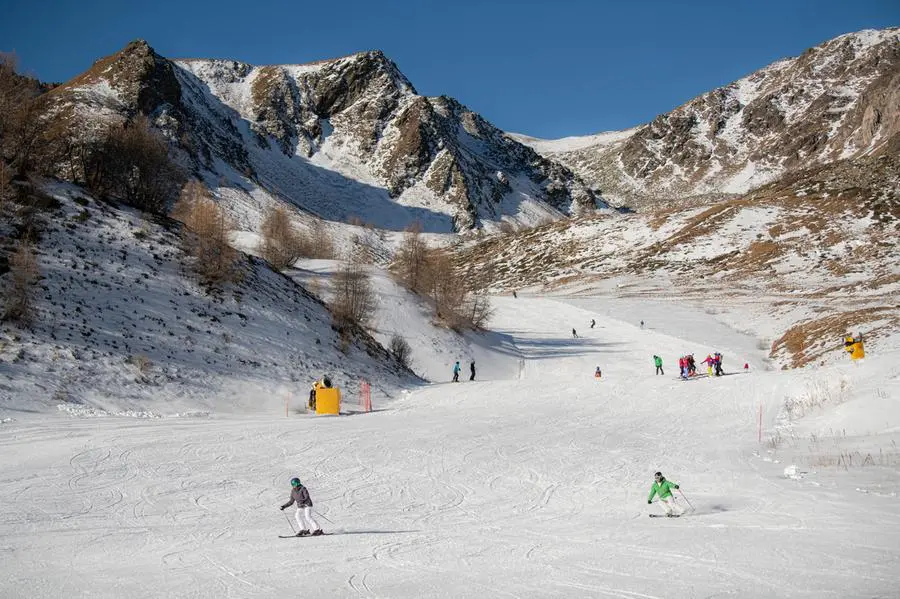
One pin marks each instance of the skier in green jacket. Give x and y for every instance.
(663, 488)
(658, 362)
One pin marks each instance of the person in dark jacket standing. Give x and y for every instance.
(300, 496)
(472, 370)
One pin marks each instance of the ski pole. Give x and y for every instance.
(289, 522)
(325, 518)
(686, 499)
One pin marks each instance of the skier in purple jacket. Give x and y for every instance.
(300, 496)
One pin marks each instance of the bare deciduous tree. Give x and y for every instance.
(281, 244)
(21, 123)
(459, 302)
(319, 243)
(205, 234)
(477, 310)
(142, 172)
(353, 299)
(411, 257)
(5, 180)
(445, 287)
(18, 305)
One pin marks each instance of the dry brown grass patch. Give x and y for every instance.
(810, 340)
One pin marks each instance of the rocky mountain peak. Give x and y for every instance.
(346, 138)
(140, 77)
(838, 100)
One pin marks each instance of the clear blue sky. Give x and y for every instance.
(545, 68)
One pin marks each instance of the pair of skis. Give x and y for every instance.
(675, 515)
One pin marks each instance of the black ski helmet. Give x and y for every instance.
(657, 475)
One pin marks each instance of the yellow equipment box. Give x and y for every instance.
(328, 400)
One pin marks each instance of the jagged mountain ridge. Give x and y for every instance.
(838, 100)
(340, 138)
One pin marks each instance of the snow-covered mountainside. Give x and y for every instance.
(818, 248)
(122, 326)
(838, 100)
(345, 139)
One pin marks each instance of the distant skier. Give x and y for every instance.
(717, 364)
(300, 496)
(514, 294)
(593, 322)
(472, 370)
(663, 489)
(746, 367)
(642, 324)
(659, 367)
(456, 372)
(597, 373)
(574, 334)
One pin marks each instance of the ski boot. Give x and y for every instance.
(303, 533)
(318, 533)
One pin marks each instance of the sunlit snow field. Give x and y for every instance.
(531, 481)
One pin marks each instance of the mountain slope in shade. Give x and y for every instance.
(339, 138)
(838, 100)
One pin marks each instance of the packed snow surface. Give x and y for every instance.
(531, 481)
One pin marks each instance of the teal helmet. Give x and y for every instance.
(295, 482)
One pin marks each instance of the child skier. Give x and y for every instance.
(658, 362)
(663, 489)
(709, 364)
(300, 495)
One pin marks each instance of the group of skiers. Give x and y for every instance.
(687, 366)
(456, 369)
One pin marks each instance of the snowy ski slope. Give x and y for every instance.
(530, 482)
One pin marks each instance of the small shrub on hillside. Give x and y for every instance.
(205, 235)
(23, 276)
(142, 363)
(142, 172)
(401, 351)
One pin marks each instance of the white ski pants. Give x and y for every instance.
(669, 505)
(304, 515)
